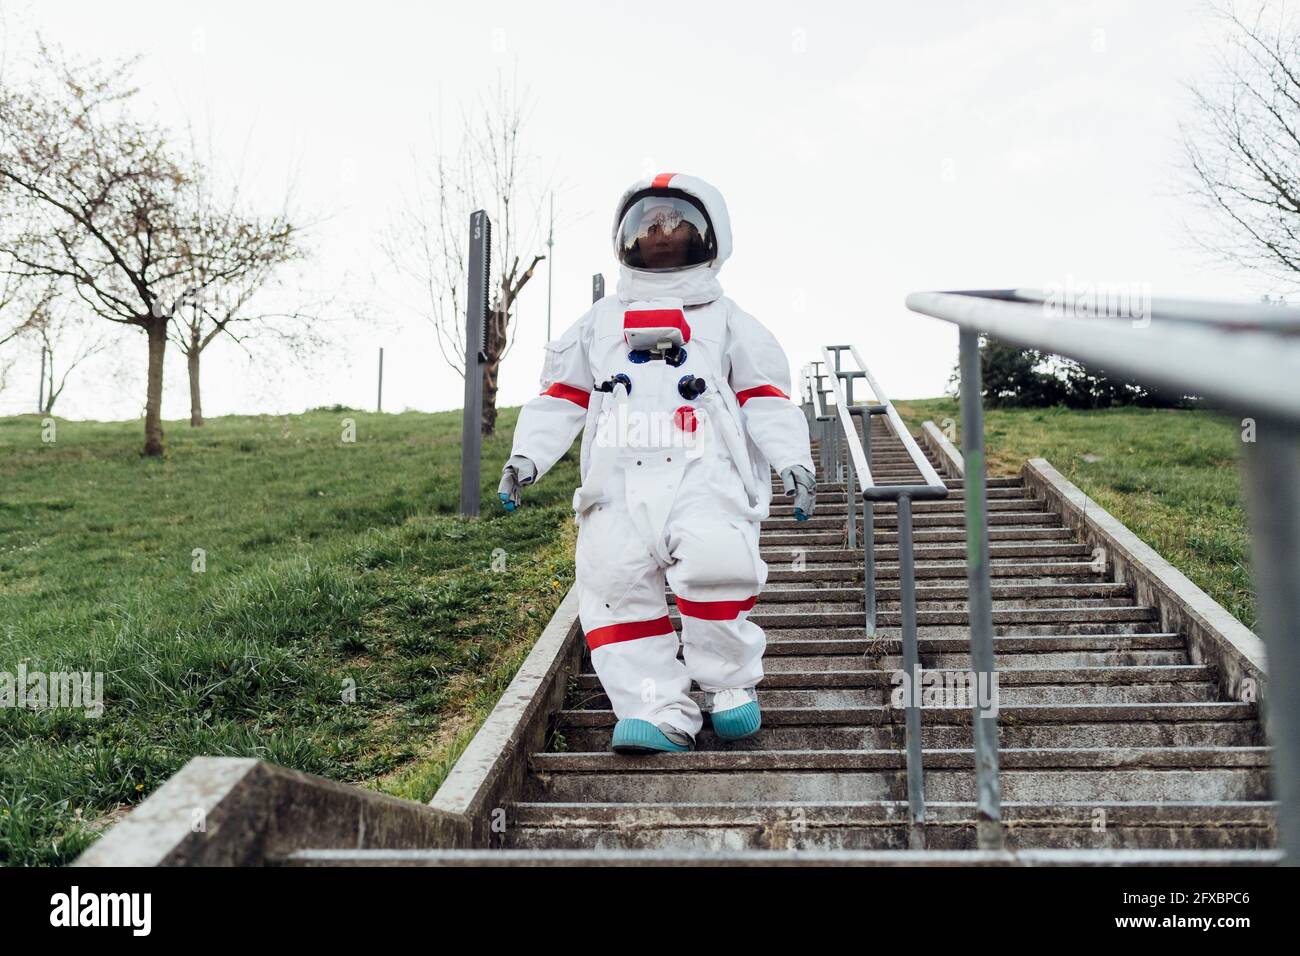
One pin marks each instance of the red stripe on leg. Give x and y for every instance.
(760, 391)
(614, 633)
(715, 610)
(569, 393)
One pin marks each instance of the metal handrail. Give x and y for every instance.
(1230, 362)
(856, 461)
(932, 485)
(1244, 357)
(1254, 316)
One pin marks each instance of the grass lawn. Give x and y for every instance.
(327, 565)
(1171, 475)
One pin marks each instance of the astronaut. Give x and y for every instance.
(683, 403)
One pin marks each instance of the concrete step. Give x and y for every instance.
(778, 664)
(1013, 534)
(780, 644)
(1091, 590)
(884, 522)
(837, 506)
(931, 612)
(1048, 776)
(962, 633)
(922, 552)
(1009, 678)
(1038, 615)
(995, 482)
(875, 825)
(878, 659)
(1008, 716)
(1021, 571)
(783, 858)
(835, 502)
(855, 691)
(583, 738)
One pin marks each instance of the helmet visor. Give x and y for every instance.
(664, 232)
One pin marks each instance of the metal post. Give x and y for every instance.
(550, 266)
(1273, 497)
(868, 541)
(980, 598)
(476, 308)
(379, 402)
(825, 450)
(852, 509)
(822, 427)
(911, 666)
(842, 451)
(597, 287)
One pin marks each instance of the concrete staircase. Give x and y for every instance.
(1119, 745)
(1110, 736)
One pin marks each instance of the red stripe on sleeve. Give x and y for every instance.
(614, 633)
(715, 610)
(575, 395)
(760, 391)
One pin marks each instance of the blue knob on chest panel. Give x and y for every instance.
(690, 388)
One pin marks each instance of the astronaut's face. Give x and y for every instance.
(665, 239)
(664, 233)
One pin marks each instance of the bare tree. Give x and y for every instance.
(489, 169)
(104, 193)
(14, 320)
(13, 323)
(60, 329)
(113, 213)
(232, 256)
(1243, 148)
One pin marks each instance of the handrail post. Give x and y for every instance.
(868, 540)
(851, 508)
(980, 599)
(911, 667)
(1273, 499)
(824, 452)
(857, 447)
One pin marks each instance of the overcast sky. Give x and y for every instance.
(866, 150)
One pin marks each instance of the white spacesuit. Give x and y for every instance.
(683, 403)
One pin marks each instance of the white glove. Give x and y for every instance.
(519, 472)
(802, 487)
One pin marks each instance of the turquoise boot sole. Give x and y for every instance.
(737, 723)
(642, 737)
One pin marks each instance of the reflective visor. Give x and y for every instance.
(665, 230)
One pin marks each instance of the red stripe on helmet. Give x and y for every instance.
(661, 181)
(615, 633)
(760, 391)
(715, 610)
(568, 392)
(657, 319)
